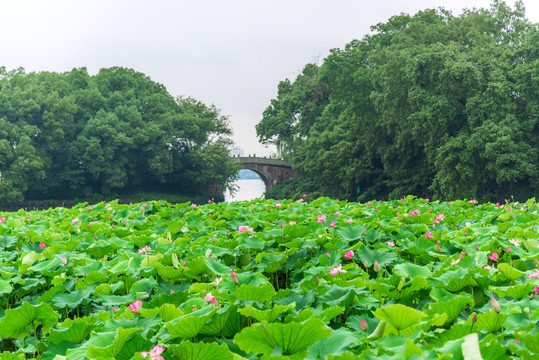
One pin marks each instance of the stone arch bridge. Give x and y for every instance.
(271, 171)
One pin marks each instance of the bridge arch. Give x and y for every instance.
(271, 171)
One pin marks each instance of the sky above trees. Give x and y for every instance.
(228, 53)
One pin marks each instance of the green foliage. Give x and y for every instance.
(72, 135)
(433, 104)
(298, 292)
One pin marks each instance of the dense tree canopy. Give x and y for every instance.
(69, 135)
(432, 105)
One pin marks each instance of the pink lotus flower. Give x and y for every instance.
(212, 299)
(2, 219)
(428, 235)
(64, 260)
(292, 223)
(535, 275)
(89, 208)
(304, 195)
(349, 221)
(332, 225)
(414, 213)
(145, 250)
(218, 280)
(390, 243)
(514, 242)
(134, 306)
(496, 306)
(234, 277)
(337, 270)
(171, 291)
(349, 254)
(493, 257)
(321, 218)
(243, 228)
(473, 201)
(376, 266)
(278, 205)
(155, 353)
(363, 325)
(336, 214)
(42, 246)
(300, 200)
(142, 210)
(536, 290)
(74, 221)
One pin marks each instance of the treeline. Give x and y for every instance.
(72, 135)
(433, 105)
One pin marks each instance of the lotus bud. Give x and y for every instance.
(366, 264)
(526, 311)
(363, 325)
(474, 318)
(234, 277)
(517, 341)
(476, 247)
(376, 266)
(438, 248)
(327, 254)
(496, 306)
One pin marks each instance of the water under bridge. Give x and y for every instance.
(271, 171)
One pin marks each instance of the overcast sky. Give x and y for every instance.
(231, 53)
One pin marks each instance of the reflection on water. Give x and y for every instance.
(248, 190)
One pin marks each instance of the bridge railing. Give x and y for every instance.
(262, 160)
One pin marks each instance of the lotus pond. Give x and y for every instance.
(272, 280)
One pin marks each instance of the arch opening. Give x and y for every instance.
(251, 185)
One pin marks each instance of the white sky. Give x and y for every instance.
(231, 53)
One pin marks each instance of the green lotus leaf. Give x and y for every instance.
(351, 233)
(384, 257)
(491, 321)
(412, 270)
(270, 263)
(111, 300)
(106, 346)
(515, 291)
(12, 356)
(509, 272)
(76, 333)
(16, 321)
(452, 307)
(491, 348)
(397, 346)
(251, 243)
(290, 339)
(470, 348)
(455, 281)
(399, 316)
(144, 285)
(72, 299)
(531, 341)
(217, 268)
(260, 293)
(196, 267)
(8, 240)
(337, 295)
(225, 322)
(189, 326)
(5, 287)
(339, 341)
(268, 315)
(169, 273)
(187, 350)
(27, 261)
